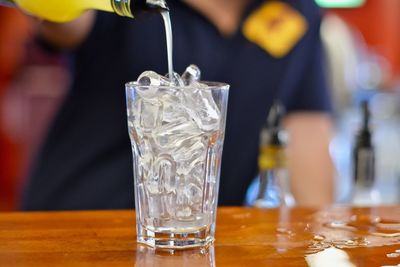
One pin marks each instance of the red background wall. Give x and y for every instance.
(379, 23)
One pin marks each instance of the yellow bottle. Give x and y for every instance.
(67, 10)
(273, 189)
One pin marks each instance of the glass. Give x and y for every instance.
(177, 136)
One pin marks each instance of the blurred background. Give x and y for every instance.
(362, 46)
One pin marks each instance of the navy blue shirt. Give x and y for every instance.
(86, 161)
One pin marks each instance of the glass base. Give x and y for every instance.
(181, 240)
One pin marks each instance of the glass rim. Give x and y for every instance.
(210, 86)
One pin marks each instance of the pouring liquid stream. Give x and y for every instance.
(168, 32)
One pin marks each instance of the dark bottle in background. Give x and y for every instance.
(364, 191)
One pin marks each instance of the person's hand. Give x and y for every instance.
(66, 36)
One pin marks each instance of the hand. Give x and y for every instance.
(66, 36)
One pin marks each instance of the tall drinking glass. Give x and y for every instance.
(177, 136)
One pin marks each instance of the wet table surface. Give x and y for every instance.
(334, 236)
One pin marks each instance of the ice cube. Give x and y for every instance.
(197, 173)
(182, 206)
(176, 80)
(149, 115)
(151, 180)
(166, 171)
(190, 149)
(189, 154)
(171, 203)
(183, 213)
(154, 207)
(145, 163)
(194, 194)
(191, 74)
(149, 77)
(165, 214)
(173, 108)
(153, 185)
(149, 83)
(200, 105)
(181, 198)
(172, 135)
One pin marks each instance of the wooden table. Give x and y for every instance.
(245, 237)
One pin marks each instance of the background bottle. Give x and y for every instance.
(364, 191)
(67, 10)
(271, 188)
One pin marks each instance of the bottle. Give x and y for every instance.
(364, 191)
(67, 10)
(272, 181)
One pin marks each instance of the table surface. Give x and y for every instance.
(334, 236)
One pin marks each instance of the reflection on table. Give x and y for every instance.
(146, 256)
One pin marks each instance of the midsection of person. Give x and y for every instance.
(86, 160)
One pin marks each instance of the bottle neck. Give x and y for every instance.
(122, 7)
(126, 8)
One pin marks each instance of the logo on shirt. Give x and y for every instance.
(276, 27)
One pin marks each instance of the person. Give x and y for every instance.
(86, 161)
